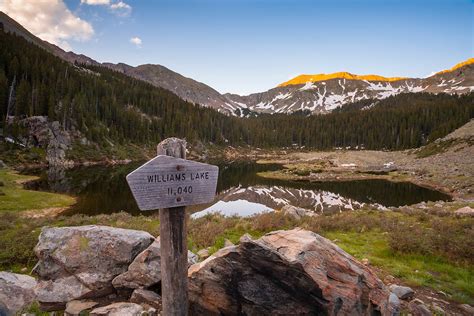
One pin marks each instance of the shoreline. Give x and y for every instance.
(341, 177)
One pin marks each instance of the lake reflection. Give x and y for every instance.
(103, 189)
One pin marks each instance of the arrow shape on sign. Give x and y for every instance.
(165, 182)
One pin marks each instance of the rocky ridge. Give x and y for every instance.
(276, 197)
(327, 95)
(321, 96)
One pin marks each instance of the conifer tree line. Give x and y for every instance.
(107, 105)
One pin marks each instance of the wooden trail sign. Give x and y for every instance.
(166, 181)
(169, 181)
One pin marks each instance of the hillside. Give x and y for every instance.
(317, 94)
(75, 111)
(325, 93)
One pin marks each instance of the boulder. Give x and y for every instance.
(49, 135)
(203, 253)
(389, 279)
(146, 297)
(81, 262)
(192, 258)
(296, 212)
(2, 165)
(118, 309)
(394, 304)
(467, 308)
(293, 272)
(402, 292)
(465, 211)
(16, 292)
(145, 270)
(418, 308)
(54, 294)
(75, 307)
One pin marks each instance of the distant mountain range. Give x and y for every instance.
(321, 93)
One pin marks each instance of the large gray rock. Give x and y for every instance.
(145, 270)
(293, 272)
(118, 309)
(48, 135)
(54, 294)
(402, 292)
(394, 304)
(81, 262)
(16, 292)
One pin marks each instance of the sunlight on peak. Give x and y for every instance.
(302, 79)
(462, 64)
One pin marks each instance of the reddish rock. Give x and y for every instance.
(293, 272)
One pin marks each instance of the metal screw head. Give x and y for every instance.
(179, 167)
(178, 199)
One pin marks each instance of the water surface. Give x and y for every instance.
(103, 190)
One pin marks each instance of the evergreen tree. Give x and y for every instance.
(109, 106)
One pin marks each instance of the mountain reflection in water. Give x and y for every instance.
(103, 189)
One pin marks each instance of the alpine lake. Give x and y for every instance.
(240, 191)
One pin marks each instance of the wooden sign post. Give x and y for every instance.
(170, 182)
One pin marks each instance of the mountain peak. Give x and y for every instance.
(457, 66)
(302, 79)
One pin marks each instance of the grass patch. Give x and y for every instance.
(406, 245)
(414, 269)
(18, 236)
(14, 155)
(16, 198)
(441, 146)
(278, 175)
(108, 151)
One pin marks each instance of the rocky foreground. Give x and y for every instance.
(113, 271)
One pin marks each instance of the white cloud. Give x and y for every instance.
(50, 20)
(136, 41)
(96, 2)
(121, 8)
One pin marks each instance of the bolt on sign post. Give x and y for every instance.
(169, 182)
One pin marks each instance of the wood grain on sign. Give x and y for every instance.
(166, 181)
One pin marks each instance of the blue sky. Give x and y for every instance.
(245, 46)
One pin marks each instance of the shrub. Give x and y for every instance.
(447, 237)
